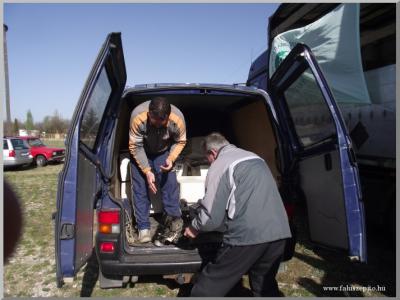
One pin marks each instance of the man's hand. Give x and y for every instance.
(167, 166)
(190, 232)
(151, 182)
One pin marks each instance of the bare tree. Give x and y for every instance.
(53, 124)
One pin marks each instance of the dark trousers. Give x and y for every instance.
(260, 261)
(165, 181)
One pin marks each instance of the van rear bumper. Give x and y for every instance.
(113, 267)
(162, 262)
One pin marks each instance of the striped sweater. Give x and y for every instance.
(145, 139)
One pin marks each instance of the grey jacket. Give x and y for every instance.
(242, 200)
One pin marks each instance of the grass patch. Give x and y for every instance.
(54, 143)
(160, 291)
(49, 280)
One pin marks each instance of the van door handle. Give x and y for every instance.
(328, 161)
(67, 231)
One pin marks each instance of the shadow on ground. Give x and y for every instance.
(19, 168)
(184, 289)
(338, 270)
(91, 275)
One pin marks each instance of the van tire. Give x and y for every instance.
(112, 281)
(41, 161)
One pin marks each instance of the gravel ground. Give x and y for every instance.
(30, 272)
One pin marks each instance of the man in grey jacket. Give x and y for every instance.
(241, 201)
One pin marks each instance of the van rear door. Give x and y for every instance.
(321, 152)
(80, 181)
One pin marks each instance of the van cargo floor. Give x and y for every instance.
(183, 242)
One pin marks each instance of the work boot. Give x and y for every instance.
(144, 236)
(176, 225)
(170, 232)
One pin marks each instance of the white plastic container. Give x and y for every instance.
(192, 182)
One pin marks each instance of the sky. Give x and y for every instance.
(51, 47)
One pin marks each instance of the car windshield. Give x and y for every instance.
(18, 144)
(35, 143)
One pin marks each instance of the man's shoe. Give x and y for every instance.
(144, 236)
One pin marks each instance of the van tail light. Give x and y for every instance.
(289, 210)
(109, 228)
(108, 221)
(107, 247)
(109, 217)
(11, 153)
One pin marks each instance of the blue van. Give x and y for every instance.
(314, 158)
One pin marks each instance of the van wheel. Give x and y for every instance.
(41, 161)
(112, 281)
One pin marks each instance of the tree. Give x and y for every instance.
(90, 124)
(29, 121)
(53, 124)
(46, 124)
(57, 123)
(16, 126)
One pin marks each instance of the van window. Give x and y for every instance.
(95, 109)
(5, 145)
(18, 144)
(310, 114)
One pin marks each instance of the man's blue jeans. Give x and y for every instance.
(165, 181)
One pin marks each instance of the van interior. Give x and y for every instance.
(243, 118)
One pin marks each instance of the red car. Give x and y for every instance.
(41, 153)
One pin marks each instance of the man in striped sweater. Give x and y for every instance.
(157, 136)
(241, 201)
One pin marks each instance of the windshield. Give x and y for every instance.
(35, 143)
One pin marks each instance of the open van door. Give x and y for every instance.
(79, 181)
(321, 153)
